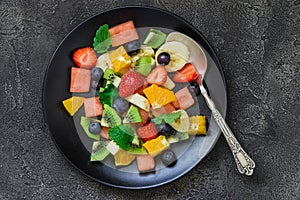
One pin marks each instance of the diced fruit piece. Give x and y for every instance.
(104, 62)
(95, 128)
(157, 145)
(96, 74)
(111, 76)
(166, 109)
(184, 99)
(120, 59)
(135, 141)
(85, 57)
(183, 123)
(130, 82)
(186, 74)
(159, 96)
(165, 129)
(157, 76)
(144, 65)
(195, 88)
(155, 38)
(95, 85)
(112, 147)
(168, 158)
(135, 150)
(172, 139)
(104, 132)
(140, 101)
(169, 84)
(163, 58)
(120, 105)
(99, 151)
(123, 33)
(145, 163)
(92, 107)
(197, 125)
(133, 115)
(73, 104)
(147, 132)
(133, 47)
(123, 158)
(179, 55)
(182, 136)
(110, 117)
(140, 90)
(85, 122)
(80, 80)
(145, 117)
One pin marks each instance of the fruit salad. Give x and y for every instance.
(143, 89)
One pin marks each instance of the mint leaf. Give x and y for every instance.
(122, 135)
(167, 118)
(172, 117)
(102, 39)
(108, 94)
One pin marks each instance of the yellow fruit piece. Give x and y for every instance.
(121, 61)
(122, 158)
(197, 125)
(159, 96)
(73, 104)
(157, 145)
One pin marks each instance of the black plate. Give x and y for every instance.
(61, 125)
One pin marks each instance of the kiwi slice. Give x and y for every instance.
(110, 117)
(133, 115)
(144, 65)
(85, 122)
(155, 38)
(99, 151)
(137, 150)
(112, 77)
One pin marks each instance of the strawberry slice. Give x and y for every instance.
(130, 82)
(147, 132)
(158, 76)
(186, 74)
(85, 57)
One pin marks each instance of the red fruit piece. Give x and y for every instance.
(158, 76)
(186, 74)
(92, 107)
(145, 117)
(130, 82)
(140, 90)
(85, 57)
(147, 132)
(184, 99)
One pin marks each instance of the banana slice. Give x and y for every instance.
(183, 123)
(179, 54)
(140, 101)
(104, 62)
(169, 84)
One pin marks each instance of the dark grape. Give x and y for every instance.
(94, 128)
(195, 88)
(165, 129)
(133, 47)
(163, 58)
(96, 73)
(168, 158)
(120, 105)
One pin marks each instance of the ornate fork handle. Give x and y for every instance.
(244, 163)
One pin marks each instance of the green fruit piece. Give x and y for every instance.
(99, 151)
(172, 139)
(85, 122)
(111, 76)
(133, 115)
(110, 117)
(136, 142)
(182, 136)
(144, 65)
(155, 38)
(137, 150)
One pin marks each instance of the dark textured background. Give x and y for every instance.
(258, 43)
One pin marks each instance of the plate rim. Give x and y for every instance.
(212, 54)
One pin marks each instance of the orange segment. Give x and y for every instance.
(159, 96)
(73, 104)
(122, 158)
(157, 145)
(121, 61)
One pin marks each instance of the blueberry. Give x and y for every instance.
(163, 58)
(96, 73)
(133, 47)
(120, 105)
(165, 129)
(195, 88)
(168, 158)
(94, 128)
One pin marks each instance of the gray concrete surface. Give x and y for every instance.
(258, 43)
